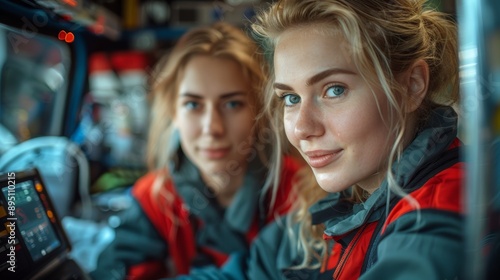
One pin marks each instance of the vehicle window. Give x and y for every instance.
(34, 71)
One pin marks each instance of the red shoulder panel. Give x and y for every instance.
(442, 192)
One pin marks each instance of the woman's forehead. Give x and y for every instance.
(302, 54)
(212, 77)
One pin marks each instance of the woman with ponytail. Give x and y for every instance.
(364, 91)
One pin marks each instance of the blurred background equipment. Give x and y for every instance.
(479, 36)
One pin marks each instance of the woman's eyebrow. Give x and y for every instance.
(222, 96)
(317, 77)
(323, 74)
(281, 86)
(232, 94)
(191, 95)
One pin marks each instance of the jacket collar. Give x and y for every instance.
(239, 215)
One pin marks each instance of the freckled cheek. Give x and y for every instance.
(189, 127)
(342, 126)
(370, 133)
(289, 126)
(241, 125)
(240, 133)
(356, 130)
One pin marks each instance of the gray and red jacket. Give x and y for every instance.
(150, 245)
(434, 215)
(386, 237)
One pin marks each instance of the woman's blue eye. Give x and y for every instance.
(191, 105)
(291, 99)
(234, 104)
(335, 91)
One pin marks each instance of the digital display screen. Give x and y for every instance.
(33, 220)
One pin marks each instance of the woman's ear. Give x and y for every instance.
(417, 84)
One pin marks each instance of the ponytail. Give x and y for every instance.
(441, 40)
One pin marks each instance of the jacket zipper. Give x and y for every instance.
(347, 253)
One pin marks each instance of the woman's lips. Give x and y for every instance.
(215, 153)
(321, 158)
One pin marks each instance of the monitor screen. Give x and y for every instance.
(33, 220)
(31, 236)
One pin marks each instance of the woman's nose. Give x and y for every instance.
(308, 122)
(213, 123)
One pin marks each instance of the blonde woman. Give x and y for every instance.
(364, 91)
(206, 195)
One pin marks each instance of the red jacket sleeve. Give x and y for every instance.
(170, 219)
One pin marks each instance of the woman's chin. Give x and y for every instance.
(330, 185)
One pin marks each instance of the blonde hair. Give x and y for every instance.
(220, 40)
(384, 39)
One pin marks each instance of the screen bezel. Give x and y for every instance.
(34, 267)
